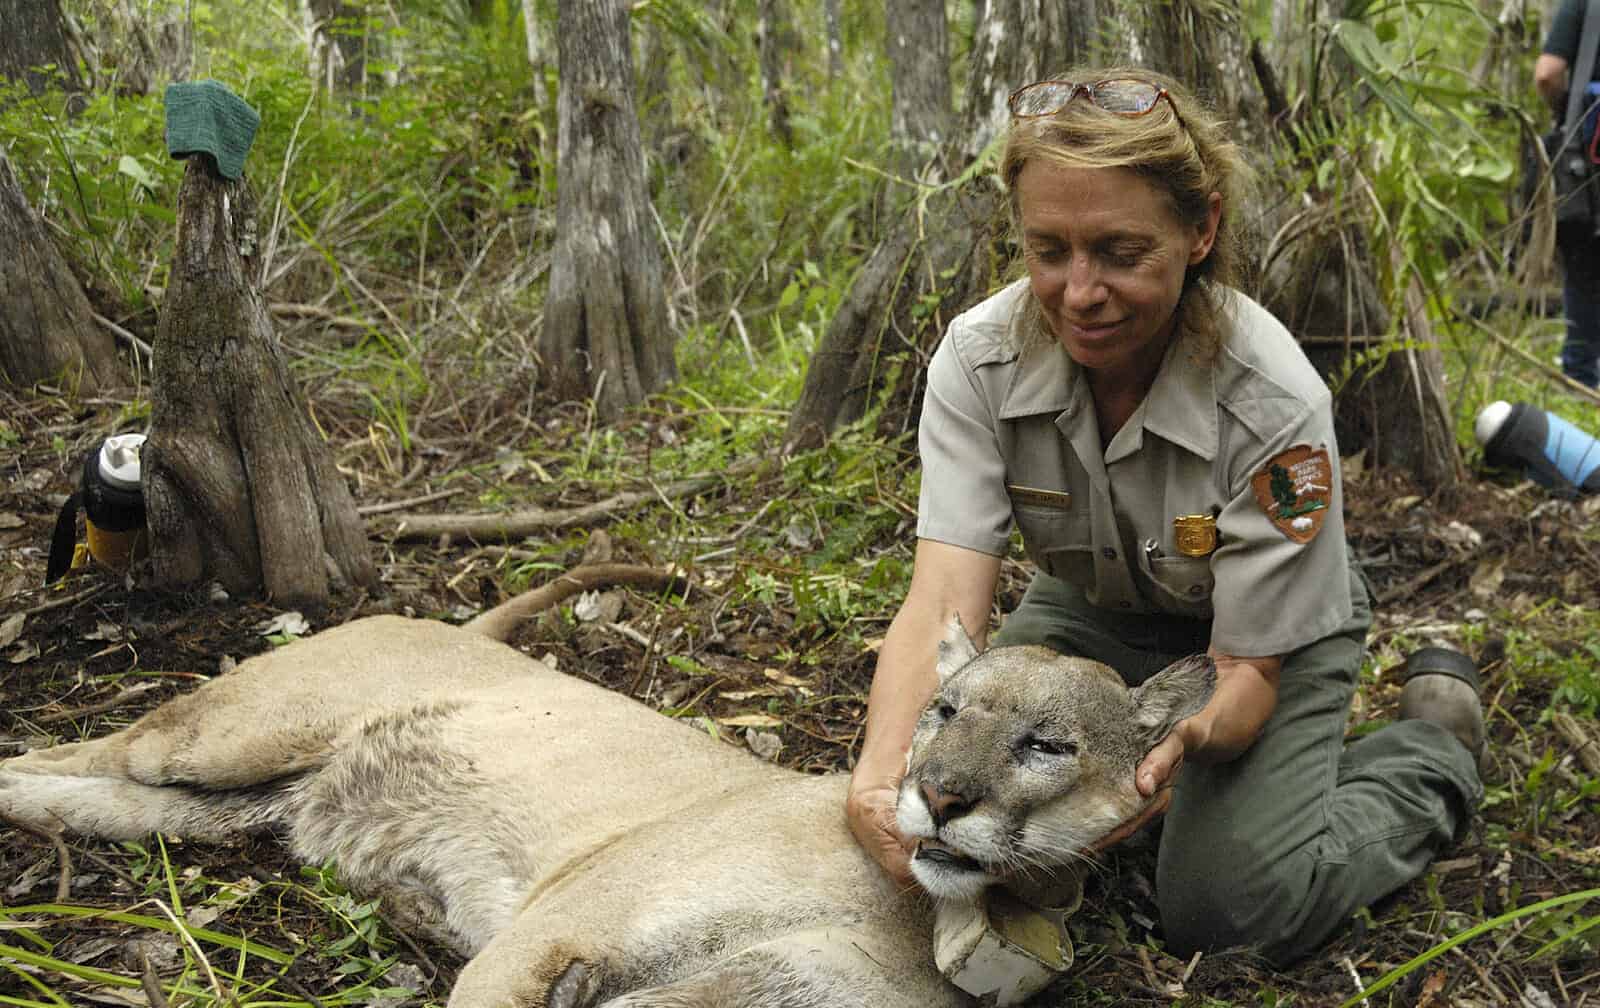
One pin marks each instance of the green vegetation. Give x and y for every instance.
(405, 243)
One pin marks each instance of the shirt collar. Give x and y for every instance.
(1180, 407)
(1182, 404)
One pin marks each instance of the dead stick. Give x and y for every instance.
(150, 982)
(63, 856)
(501, 621)
(1529, 359)
(517, 524)
(400, 505)
(97, 708)
(1586, 749)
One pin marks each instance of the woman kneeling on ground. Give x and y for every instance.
(1168, 454)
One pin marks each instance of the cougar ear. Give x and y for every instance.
(956, 649)
(1178, 691)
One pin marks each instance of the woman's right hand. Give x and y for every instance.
(870, 812)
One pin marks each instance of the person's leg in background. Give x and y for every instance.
(1580, 297)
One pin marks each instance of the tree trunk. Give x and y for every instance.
(775, 31)
(605, 331)
(239, 486)
(47, 328)
(938, 259)
(919, 76)
(340, 49)
(530, 29)
(33, 37)
(830, 14)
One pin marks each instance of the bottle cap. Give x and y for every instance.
(119, 460)
(1490, 419)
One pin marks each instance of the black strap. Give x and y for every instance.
(65, 539)
(1582, 69)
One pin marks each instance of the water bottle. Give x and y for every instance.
(113, 506)
(1551, 450)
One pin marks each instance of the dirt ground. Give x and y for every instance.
(93, 653)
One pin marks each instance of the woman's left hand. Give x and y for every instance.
(1246, 695)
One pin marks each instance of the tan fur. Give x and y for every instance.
(583, 849)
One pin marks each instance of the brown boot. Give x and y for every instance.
(1441, 685)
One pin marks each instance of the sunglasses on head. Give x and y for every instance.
(1123, 96)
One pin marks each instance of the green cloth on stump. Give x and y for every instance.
(205, 117)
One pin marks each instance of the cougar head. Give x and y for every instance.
(1024, 758)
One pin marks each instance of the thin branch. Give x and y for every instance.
(519, 524)
(368, 510)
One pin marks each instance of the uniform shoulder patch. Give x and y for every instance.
(1295, 489)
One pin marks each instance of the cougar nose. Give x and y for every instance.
(944, 805)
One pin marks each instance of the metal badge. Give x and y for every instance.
(1195, 535)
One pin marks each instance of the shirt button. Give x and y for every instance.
(1196, 589)
(1109, 553)
(1124, 604)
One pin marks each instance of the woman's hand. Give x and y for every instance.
(1245, 697)
(870, 812)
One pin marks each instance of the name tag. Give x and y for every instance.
(1058, 499)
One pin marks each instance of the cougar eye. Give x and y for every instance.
(945, 710)
(1052, 747)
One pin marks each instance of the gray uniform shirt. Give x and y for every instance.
(1009, 435)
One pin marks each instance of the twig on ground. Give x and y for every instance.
(282, 309)
(63, 856)
(1548, 370)
(1355, 978)
(368, 510)
(1584, 747)
(181, 928)
(70, 600)
(97, 708)
(150, 982)
(1412, 585)
(143, 348)
(518, 524)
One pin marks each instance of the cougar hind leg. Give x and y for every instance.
(116, 808)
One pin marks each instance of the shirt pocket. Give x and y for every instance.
(1058, 541)
(1183, 585)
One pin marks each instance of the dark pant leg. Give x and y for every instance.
(1054, 614)
(1580, 296)
(1276, 849)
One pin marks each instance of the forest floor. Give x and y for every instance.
(1505, 572)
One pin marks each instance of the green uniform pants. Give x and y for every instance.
(1276, 849)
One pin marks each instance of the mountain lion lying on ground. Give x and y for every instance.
(583, 849)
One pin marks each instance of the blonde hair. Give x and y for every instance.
(1186, 157)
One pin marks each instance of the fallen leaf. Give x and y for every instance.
(737, 695)
(104, 631)
(1486, 580)
(201, 916)
(750, 721)
(11, 629)
(785, 679)
(764, 744)
(10, 521)
(1404, 503)
(288, 623)
(26, 651)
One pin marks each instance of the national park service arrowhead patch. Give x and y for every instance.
(1295, 489)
